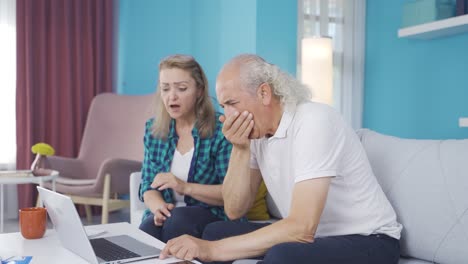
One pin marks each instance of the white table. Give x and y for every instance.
(23, 180)
(49, 250)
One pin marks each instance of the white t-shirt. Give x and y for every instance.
(180, 167)
(313, 141)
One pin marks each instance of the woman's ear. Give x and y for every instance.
(265, 93)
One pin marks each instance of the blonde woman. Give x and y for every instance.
(186, 154)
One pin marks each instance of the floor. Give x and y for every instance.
(11, 225)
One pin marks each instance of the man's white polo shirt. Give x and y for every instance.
(313, 141)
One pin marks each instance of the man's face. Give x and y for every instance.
(233, 98)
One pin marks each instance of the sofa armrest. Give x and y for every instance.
(66, 167)
(119, 170)
(137, 207)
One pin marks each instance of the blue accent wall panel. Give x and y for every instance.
(238, 31)
(277, 33)
(413, 88)
(221, 30)
(149, 31)
(206, 39)
(210, 30)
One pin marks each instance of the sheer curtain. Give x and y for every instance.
(344, 22)
(7, 97)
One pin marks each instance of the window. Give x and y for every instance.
(341, 20)
(7, 83)
(7, 100)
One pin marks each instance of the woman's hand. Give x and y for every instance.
(167, 180)
(162, 213)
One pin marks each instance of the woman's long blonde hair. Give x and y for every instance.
(204, 110)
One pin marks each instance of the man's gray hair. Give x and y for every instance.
(254, 71)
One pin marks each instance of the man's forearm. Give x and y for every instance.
(307, 203)
(236, 186)
(257, 243)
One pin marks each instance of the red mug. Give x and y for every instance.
(33, 222)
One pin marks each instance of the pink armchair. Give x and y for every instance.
(111, 149)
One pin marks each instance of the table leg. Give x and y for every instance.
(39, 200)
(1, 208)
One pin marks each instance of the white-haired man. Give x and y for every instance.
(314, 167)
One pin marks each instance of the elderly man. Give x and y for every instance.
(314, 167)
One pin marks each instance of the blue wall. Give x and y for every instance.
(413, 88)
(238, 31)
(212, 31)
(277, 33)
(223, 29)
(149, 31)
(206, 38)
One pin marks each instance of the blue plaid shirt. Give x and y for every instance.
(208, 166)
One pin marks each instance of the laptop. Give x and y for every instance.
(72, 235)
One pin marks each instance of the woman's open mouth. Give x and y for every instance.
(174, 107)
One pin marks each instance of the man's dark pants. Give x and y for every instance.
(349, 249)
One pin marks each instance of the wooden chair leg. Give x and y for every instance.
(105, 199)
(89, 214)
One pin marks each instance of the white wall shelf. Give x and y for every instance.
(436, 29)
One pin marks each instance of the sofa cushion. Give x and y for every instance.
(426, 182)
(413, 261)
(246, 261)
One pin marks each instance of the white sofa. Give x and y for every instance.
(427, 183)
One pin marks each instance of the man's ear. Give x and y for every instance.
(265, 93)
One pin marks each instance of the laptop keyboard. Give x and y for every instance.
(109, 251)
